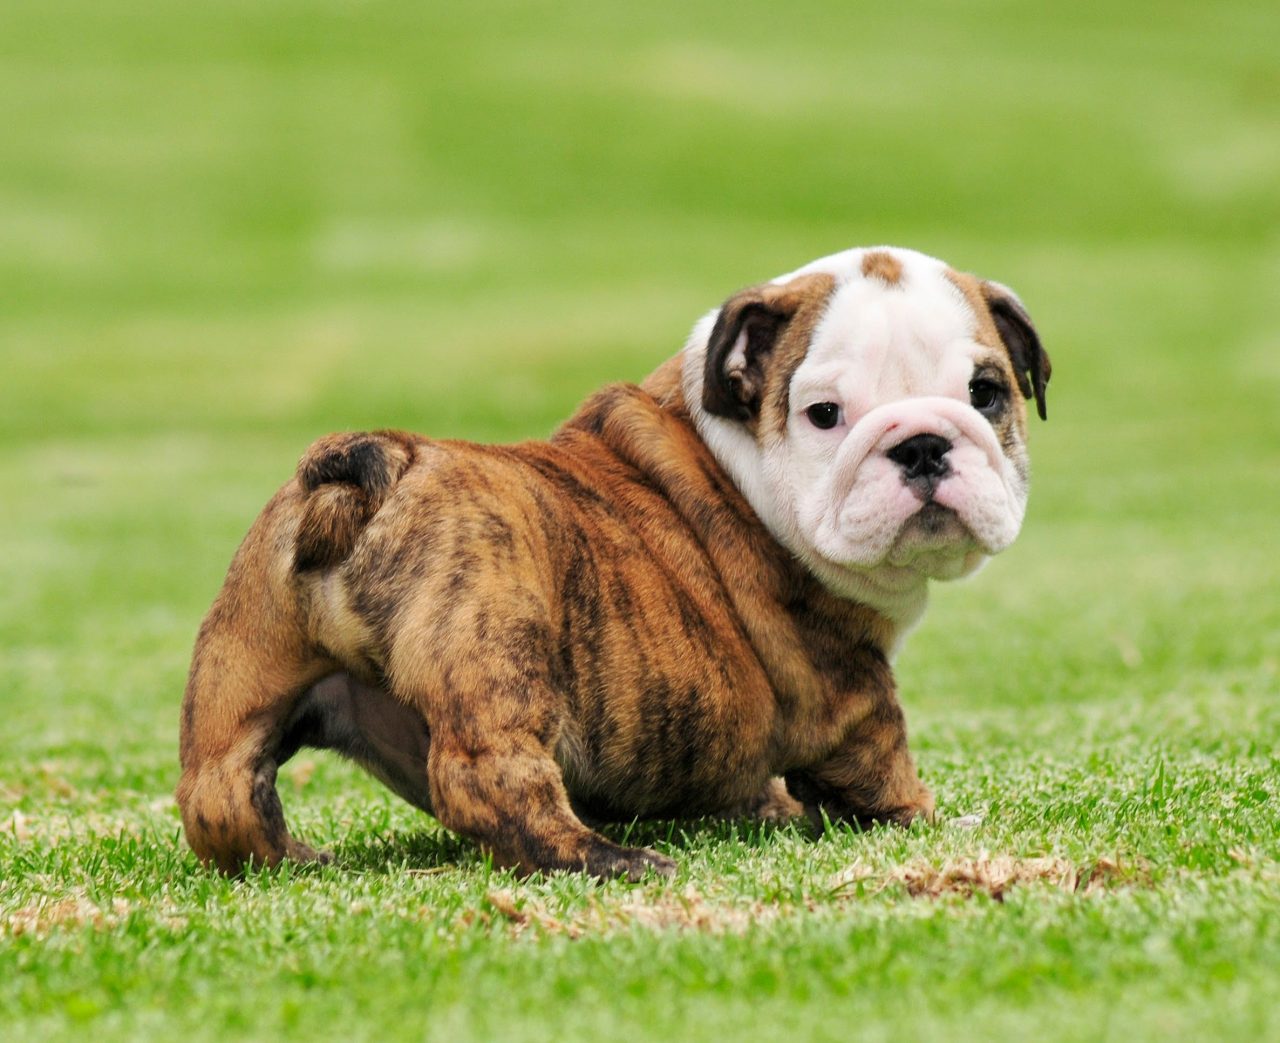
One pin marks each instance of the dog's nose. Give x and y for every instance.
(922, 456)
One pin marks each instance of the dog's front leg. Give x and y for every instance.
(870, 777)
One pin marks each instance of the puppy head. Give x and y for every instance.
(870, 406)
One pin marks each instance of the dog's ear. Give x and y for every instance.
(746, 331)
(1030, 361)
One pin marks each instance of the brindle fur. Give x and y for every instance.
(515, 637)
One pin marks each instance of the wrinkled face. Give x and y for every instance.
(870, 407)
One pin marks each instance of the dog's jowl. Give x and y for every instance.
(691, 591)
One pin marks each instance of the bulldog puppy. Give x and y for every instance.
(693, 588)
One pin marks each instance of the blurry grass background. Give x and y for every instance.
(226, 229)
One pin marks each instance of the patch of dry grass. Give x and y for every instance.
(689, 909)
(48, 914)
(994, 876)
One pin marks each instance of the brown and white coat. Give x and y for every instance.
(693, 588)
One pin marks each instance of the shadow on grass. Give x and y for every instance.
(397, 851)
(438, 849)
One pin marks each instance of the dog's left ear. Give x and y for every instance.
(1030, 361)
(748, 327)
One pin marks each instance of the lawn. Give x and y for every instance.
(226, 229)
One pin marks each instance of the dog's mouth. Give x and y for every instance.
(936, 521)
(932, 534)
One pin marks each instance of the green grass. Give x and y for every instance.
(225, 229)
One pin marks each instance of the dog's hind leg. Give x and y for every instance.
(260, 651)
(504, 789)
(495, 722)
(253, 661)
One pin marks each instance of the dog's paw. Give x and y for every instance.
(918, 809)
(772, 804)
(301, 853)
(630, 863)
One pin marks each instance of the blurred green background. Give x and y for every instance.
(225, 229)
(228, 228)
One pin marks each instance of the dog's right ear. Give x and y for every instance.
(749, 326)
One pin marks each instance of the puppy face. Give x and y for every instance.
(870, 407)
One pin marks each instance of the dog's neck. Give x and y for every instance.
(899, 604)
(666, 385)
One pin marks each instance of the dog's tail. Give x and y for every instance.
(345, 478)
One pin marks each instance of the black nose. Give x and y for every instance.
(923, 456)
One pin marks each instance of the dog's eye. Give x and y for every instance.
(986, 396)
(823, 414)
